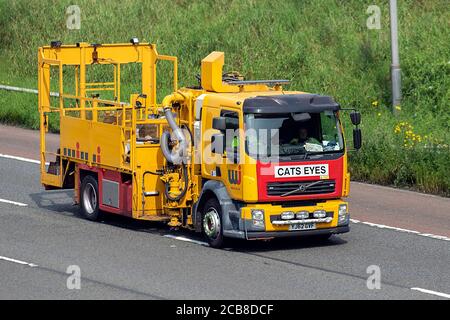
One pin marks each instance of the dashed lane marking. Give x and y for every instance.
(7, 156)
(20, 204)
(185, 239)
(18, 262)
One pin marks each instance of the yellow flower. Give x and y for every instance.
(398, 108)
(379, 114)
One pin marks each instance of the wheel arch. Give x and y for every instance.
(230, 208)
(84, 173)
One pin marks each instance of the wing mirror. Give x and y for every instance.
(355, 116)
(224, 123)
(217, 143)
(357, 138)
(219, 123)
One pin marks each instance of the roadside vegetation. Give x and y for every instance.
(322, 46)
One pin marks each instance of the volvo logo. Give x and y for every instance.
(301, 188)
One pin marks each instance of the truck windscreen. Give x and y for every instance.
(287, 135)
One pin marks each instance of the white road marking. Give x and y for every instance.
(181, 238)
(18, 262)
(7, 156)
(382, 226)
(440, 294)
(20, 204)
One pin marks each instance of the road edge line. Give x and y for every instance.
(436, 293)
(382, 226)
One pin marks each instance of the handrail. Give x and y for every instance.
(99, 83)
(175, 68)
(70, 96)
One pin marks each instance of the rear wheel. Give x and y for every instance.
(89, 198)
(212, 223)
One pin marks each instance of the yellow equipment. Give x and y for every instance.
(198, 159)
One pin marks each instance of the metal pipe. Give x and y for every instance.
(177, 157)
(18, 89)
(395, 66)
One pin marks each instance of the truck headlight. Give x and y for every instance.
(258, 217)
(319, 214)
(302, 215)
(342, 214)
(287, 215)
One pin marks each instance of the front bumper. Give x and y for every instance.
(274, 226)
(283, 234)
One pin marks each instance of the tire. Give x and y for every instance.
(212, 227)
(89, 199)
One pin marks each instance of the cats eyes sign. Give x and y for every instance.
(301, 171)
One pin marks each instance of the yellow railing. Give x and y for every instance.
(127, 116)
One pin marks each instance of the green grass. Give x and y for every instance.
(322, 46)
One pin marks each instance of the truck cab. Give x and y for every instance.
(274, 162)
(280, 162)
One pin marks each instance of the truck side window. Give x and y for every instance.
(231, 136)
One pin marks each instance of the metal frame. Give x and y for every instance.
(80, 56)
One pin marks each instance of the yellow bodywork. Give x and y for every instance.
(103, 134)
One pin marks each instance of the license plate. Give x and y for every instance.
(302, 226)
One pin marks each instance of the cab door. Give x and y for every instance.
(233, 145)
(210, 161)
(222, 140)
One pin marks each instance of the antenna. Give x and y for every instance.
(249, 82)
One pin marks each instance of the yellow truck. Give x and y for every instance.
(228, 157)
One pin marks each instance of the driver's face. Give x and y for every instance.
(303, 134)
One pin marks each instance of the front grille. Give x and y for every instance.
(322, 186)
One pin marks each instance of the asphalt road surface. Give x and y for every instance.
(404, 234)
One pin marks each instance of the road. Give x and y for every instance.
(404, 234)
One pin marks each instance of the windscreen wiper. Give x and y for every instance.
(306, 154)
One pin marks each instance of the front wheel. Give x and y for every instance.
(212, 223)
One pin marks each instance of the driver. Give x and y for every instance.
(302, 138)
